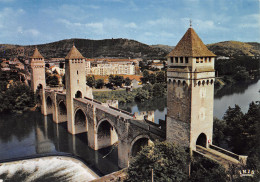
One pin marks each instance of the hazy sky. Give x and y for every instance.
(148, 21)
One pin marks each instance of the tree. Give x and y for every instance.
(142, 95)
(118, 80)
(128, 81)
(16, 98)
(219, 131)
(91, 81)
(205, 170)
(152, 78)
(145, 77)
(160, 77)
(100, 83)
(52, 80)
(158, 90)
(168, 161)
(241, 73)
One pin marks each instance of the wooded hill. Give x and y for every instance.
(122, 48)
(235, 48)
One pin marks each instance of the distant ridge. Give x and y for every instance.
(122, 48)
(235, 48)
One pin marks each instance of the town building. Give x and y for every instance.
(111, 66)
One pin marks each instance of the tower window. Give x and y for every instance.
(181, 59)
(78, 81)
(171, 59)
(206, 60)
(77, 72)
(186, 60)
(197, 60)
(201, 60)
(210, 60)
(176, 59)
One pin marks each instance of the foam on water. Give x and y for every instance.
(59, 168)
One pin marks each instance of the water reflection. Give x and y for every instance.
(32, 133)
(238, 88)
(241, 94)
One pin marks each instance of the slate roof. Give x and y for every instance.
(74, 54)
(36, 54)
(190, 45)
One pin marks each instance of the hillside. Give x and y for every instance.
(123, 48)
(89, 48)
(164, 47)
(235, 48)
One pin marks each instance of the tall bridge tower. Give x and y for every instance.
(37, 65)
(190, 97)
(38, 83)
(75, 69)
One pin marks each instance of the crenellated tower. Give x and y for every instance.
(190, 97)
(38, 83)
(37, 65)
(75, 74)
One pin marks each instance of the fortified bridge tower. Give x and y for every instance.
(190, 96)
(75, 84)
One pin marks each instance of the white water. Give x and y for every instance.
(61, 168)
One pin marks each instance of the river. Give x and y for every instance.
(32, 134)
(241, 94)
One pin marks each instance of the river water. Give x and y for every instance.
(32, 134)
(240, 94)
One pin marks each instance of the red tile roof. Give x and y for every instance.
(36, 54)
(190, 46)
(74, 54)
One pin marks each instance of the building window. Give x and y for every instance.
(197, 60)
(210, 60)
(201, 60)
(186, 60)
(171, 59)
(176, 59)
(77, 72)
(181, 59)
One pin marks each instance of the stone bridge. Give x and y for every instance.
(105, 125)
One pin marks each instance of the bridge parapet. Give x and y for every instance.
(240, 158)
(220, 155)
(149, 126)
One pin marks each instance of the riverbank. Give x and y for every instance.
(51, 168)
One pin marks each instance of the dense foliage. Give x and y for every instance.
(168, 161)
(17, 98)
(239, 68)
(52, 79)
(239, 133)
(206, 170)
(171, 163)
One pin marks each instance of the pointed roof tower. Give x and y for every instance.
(190, 46)
(36, 54)
(74, 53)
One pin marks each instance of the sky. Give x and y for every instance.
(30, 22)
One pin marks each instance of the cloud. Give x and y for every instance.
(131, 25)
(250, 21)
(32, 32)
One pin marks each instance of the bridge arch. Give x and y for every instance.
(62, 111)
(202, 140)
(138, 143)
(107, 134)
(49, 105)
